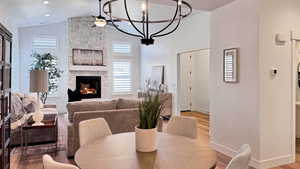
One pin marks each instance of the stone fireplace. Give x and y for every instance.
(87, 44)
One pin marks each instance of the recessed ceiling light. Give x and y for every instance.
(47, 15)
(46, 2)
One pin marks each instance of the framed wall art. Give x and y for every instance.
(87, 57)
(230, 65)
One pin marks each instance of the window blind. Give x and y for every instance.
(121, 48)
(45, 42)
(229, 68)
(122, 77)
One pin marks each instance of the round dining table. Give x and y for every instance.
(118, 152)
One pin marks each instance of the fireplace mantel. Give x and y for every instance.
(89, 68)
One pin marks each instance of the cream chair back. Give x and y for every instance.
(183, 126)
(91, 130)
(49, 163)
(242, 159)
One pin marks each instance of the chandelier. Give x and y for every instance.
(143, 30)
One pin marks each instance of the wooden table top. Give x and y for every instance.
(118, 152)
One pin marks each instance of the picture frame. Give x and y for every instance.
(87, 57)
(158, 75)
(1, 48)
(230, 65)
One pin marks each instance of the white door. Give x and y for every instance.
(200, 81)
(185, 81)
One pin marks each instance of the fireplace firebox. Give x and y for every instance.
(88, 86)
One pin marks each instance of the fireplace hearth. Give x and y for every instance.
(87, 87)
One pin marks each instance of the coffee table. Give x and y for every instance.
(118, 152)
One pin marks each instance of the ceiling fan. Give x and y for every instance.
(101, 21)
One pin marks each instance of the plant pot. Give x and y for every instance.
(145, 140)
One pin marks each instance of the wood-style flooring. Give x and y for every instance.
(33, 160)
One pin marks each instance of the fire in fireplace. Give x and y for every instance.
(89, 86)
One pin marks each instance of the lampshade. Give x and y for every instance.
(38, 81)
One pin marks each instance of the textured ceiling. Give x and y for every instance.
(32, 12)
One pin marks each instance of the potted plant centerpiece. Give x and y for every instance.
(149, 112)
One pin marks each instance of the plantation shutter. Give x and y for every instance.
(122, 83)
(121, 48)
(47, 42)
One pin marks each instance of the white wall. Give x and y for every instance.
(193, 33)
(282, 17)
(260, 105)
(27, 35)
(235, 107)
(8, 21)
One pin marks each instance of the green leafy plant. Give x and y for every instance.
(47, 62)
(150, 110)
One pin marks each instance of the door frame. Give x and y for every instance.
(179, 77)
(295, 38)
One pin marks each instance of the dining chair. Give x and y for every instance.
(90, 130)
(49, 163)
(183, 126)
(242, 159)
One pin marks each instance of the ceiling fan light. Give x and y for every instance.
(100, 22)
(179, 2)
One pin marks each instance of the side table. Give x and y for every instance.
(47, 133)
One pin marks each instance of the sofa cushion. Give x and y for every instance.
(17, 110)
(128, 103)
(92, 105)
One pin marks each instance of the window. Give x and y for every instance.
(45, 42)
(121, 48)
(122, 77)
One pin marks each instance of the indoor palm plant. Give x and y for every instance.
(149, 114)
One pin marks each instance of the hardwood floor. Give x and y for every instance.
(34, 158)
(203, 130)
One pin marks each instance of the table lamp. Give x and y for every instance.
(38, 83)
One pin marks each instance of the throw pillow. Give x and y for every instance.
(17, 110)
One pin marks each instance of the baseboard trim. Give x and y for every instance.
(276, 161)
(263, 164)
(205, 111)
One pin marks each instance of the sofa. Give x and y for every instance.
(121, 115)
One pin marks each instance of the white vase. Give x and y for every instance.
(145, 140)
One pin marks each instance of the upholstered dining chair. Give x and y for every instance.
(183, 126)
(242, 159)
(90, 130)
(49, 163)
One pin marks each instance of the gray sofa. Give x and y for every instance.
(120, 114)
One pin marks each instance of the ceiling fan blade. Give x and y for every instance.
(115, 20)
